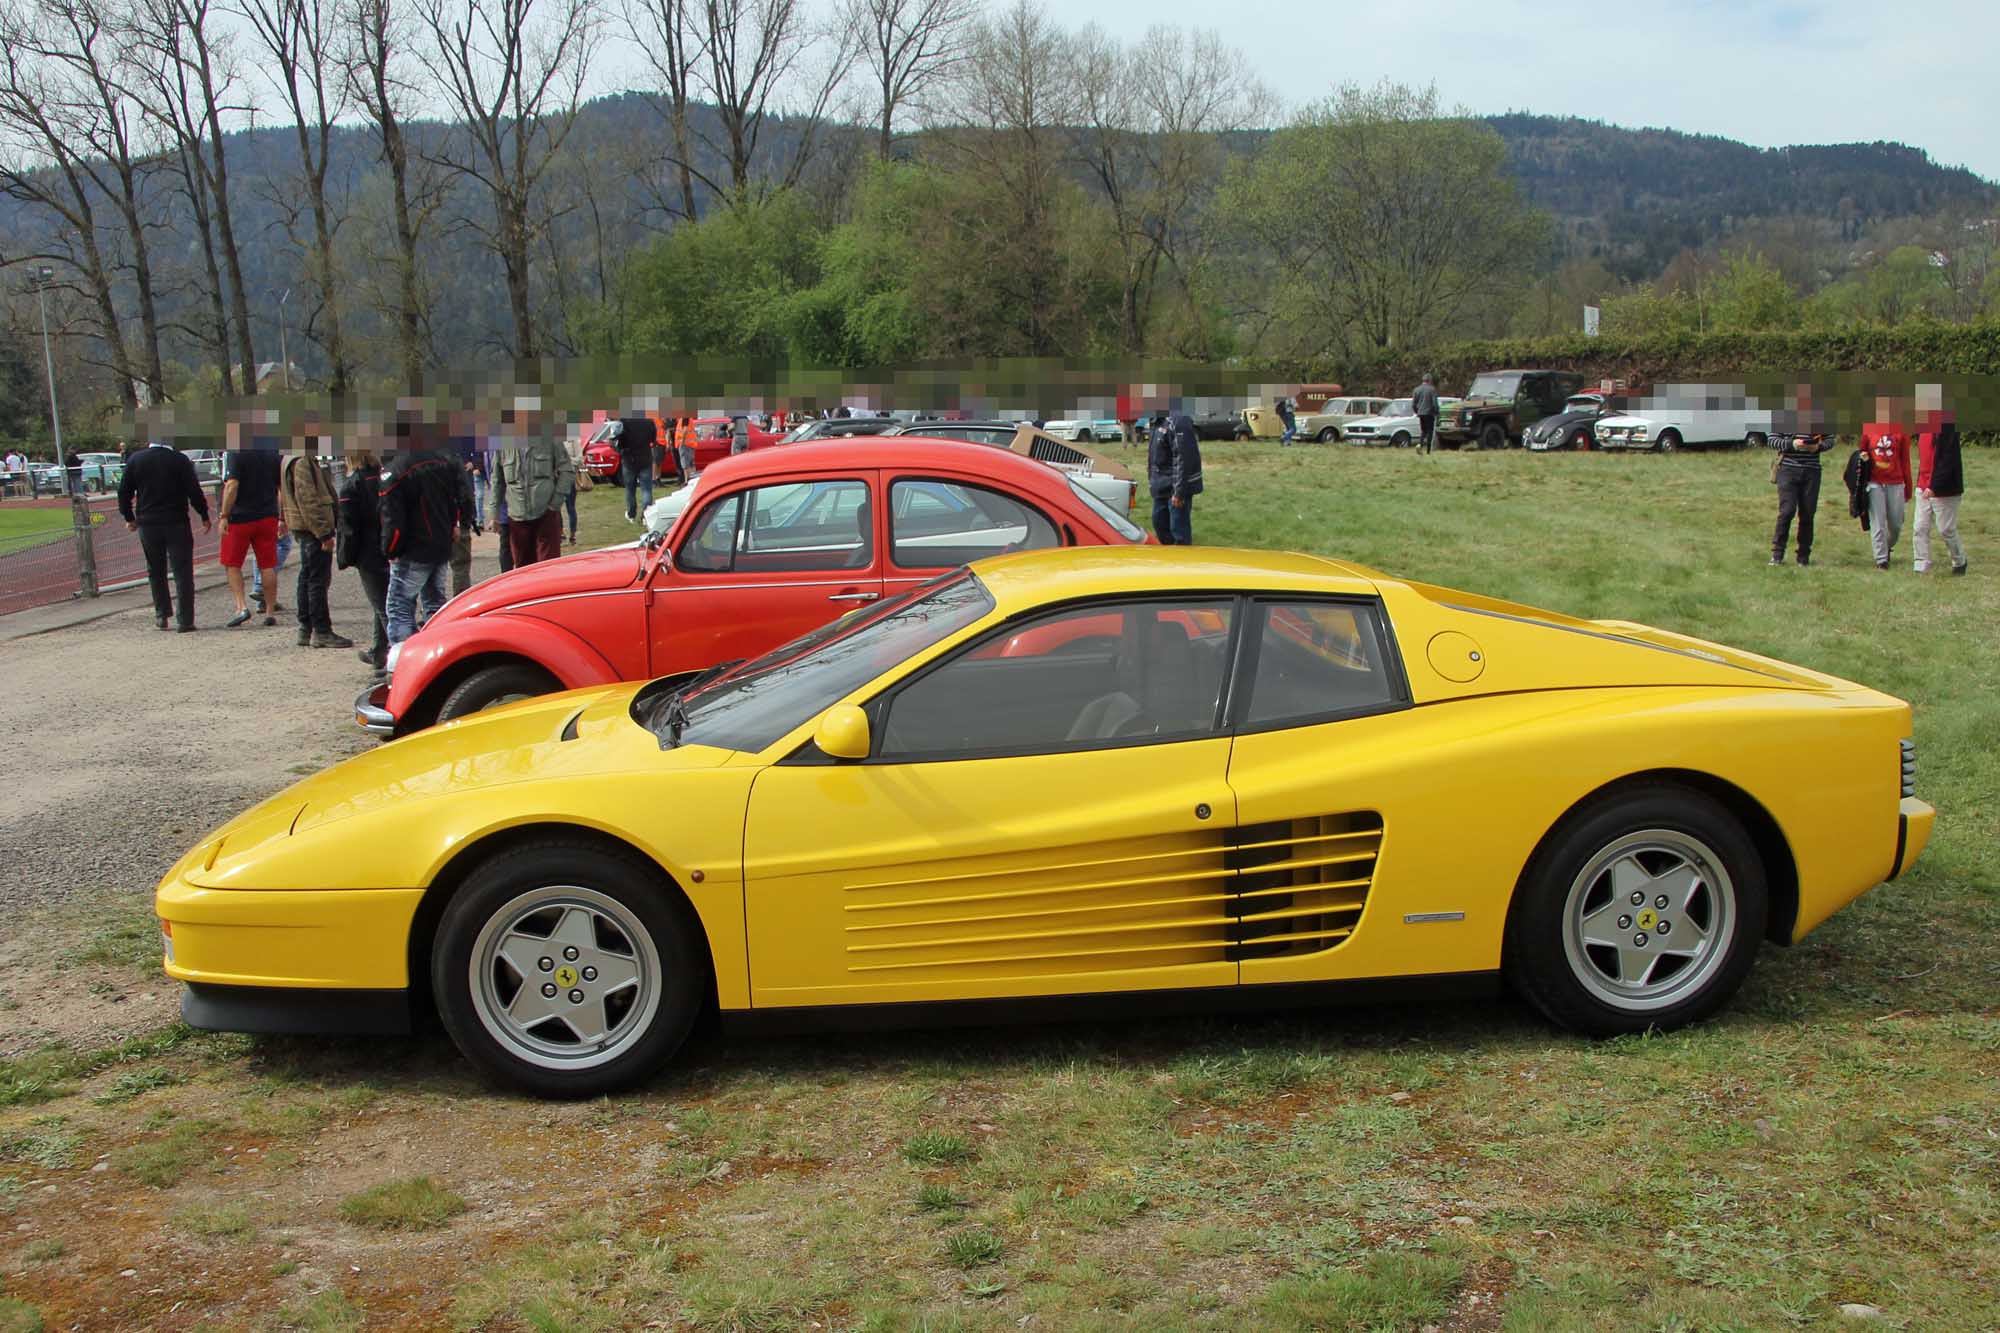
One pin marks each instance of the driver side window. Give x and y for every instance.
(1133, 673)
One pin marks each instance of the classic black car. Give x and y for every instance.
(1572, 428)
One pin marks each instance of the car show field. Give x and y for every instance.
(1396, 1164)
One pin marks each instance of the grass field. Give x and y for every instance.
(22, 526)
(1833, 1139)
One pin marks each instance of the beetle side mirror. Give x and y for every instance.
(843, 733)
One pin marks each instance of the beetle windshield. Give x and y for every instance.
(755, 704)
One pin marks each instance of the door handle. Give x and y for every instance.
(854, 597)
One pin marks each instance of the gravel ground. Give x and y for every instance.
(124, 746)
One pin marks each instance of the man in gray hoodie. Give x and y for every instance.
(1424, 402)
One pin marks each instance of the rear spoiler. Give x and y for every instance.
(1046, 448)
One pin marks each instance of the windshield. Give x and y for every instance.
(752, 706)
(1494, 386)
(603, 434)
(1401, 407)
(1120, 524)
(1583, 403)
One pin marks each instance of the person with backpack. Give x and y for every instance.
(311, 510)
(1940, 485)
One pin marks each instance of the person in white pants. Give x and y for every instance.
(1888, 450)
(1940, 485)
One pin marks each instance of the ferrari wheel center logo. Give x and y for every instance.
(565, 975)
(1647, 920)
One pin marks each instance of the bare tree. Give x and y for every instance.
(751, 50)
(299, 35)
(190, 63)
(45, 132)
(374, 62)
(670, 36)
(1014, 97)
(513, 71)
(1149, 133)
(911, 47)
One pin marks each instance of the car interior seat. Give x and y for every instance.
(1158, 686)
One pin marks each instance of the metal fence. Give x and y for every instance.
(45, 569)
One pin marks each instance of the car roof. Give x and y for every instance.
(875, 451)
(1034, 578)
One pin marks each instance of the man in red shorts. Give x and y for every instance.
(250, 526)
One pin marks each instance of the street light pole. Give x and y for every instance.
(79, 507)
(284, 336)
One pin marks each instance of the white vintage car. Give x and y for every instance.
(1673, 415)
(1397, 425)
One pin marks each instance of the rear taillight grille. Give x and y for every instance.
(1909, 768)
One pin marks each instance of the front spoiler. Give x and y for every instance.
(371, 711)
(289, 1012)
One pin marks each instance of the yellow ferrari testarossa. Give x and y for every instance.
(1065, 781)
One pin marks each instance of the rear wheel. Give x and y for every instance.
(493, 686)
(1641, 911)
(566, 970)
(1492, 436)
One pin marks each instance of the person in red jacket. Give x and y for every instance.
(1940, 482)
(1886, 441)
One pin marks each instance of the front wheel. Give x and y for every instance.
(1492, 436)
(1401, 439)
(1327, 435)
(496, 685)
(566, 970)
(1642, 911)
(1670, 440)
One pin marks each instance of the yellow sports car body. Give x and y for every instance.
(1154, 776)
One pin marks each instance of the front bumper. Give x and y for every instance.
(371, 710)
(290, 939)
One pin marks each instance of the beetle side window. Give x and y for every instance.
(942, 524)
(1105, 674)
(799, 525)
(1318, 660)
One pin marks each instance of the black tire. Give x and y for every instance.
(1579, 440)
(1565, 978)
(495, 685)
(1240, 434)
(1401, 439)
(491, 896)
(1492, 435)
(1669, 441)
(1327, 435)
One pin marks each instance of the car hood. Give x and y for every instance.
(587, 571)
(1563, 420)
(1624, 419)
(576, 734)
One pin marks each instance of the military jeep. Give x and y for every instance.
(1502, 404)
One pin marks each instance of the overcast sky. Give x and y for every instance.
(1766, 72)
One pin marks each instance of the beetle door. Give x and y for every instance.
(763, 564)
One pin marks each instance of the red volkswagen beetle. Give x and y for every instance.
(775, 543)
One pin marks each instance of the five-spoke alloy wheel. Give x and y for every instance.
(567, 970)
(1643, 909)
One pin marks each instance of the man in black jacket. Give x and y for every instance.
(421, 513)
(1799, 438)
(636, 438)
(358, 545)
(158, 489)
(1173, 474)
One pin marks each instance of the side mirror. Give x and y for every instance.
(843, 733)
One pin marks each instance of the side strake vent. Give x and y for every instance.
(1301, 883)
(1290, 887)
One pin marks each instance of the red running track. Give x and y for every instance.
(46, 572)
